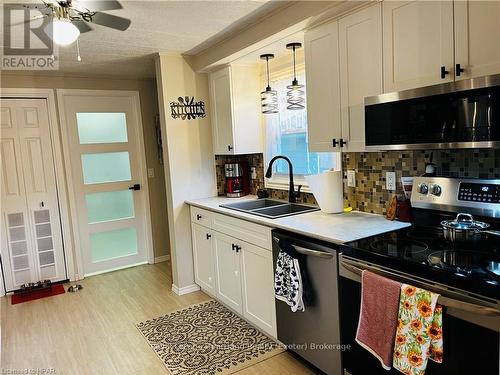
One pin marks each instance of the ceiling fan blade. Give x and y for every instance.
(109, 20)
(82, 26)
(29, 20)
(96, 5)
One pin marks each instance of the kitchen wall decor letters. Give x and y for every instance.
(187, 109)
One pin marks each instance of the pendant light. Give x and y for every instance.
(269, 97)
(295, 93)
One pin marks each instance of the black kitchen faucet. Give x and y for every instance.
(292, 194)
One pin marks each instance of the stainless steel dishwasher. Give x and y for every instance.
(315, 333)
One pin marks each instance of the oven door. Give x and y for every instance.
(469, 348)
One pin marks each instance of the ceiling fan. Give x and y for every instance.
(69, 18)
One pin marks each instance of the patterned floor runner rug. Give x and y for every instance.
(206, 338)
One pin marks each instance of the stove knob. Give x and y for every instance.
(435, 190)
(423, 188)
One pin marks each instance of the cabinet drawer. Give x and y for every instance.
(201, 217)
(256, 234)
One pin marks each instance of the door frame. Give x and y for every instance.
(134, 95)
(62, 191)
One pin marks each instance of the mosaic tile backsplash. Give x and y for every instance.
(370, 195)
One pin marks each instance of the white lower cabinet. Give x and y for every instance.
(258, 287)
(237, 273)
(227, 262)
(203, 253)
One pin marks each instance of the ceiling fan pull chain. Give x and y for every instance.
(78, 57)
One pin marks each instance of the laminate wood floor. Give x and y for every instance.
(93, 331)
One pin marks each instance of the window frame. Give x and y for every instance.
(282, 181)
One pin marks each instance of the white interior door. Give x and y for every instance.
(103, 133)
(32, 248)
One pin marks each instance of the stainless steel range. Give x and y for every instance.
(466, 274)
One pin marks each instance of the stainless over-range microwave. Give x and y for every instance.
(462, 114)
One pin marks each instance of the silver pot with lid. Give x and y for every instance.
(465, 229)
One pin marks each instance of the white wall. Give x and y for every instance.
(189, 160)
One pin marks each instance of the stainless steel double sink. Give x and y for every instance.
(270, 208)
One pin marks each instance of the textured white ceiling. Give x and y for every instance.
(157, 26)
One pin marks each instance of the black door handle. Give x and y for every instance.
(444, 72)
(135, 187)
(335, 142)
(342, 142)
(458, 70)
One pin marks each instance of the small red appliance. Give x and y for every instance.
(236, 179)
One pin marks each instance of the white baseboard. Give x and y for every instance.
(185, 290)
(162, 258)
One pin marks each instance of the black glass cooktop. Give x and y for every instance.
(422, 251)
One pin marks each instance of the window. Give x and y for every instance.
(286, 134)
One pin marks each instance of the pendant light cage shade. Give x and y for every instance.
(295, 95)
(269, 101)
(268, 97)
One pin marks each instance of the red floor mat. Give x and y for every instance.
(20, 298)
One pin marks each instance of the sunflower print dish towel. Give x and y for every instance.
(419, 331)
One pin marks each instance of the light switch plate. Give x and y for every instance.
(390, 181)
(151, 172)
(351, 178)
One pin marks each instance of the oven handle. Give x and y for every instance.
(442, 300)
(306, 251)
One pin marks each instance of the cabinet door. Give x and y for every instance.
(360, 46)
(258, 287)
(477, 38)
(418, 41)
(204, 260)
(323, 87)
(228, 271)
(222, 115)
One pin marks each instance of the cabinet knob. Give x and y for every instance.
(229, 147)
(458, 70)
(209, 236)
(198, 217)
(335, 142)
(444, 72)
(342, 142)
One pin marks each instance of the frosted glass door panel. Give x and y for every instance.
(101, 128)
(110, 205)
(106, 167)
(113, 244)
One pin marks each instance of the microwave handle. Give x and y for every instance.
(442, 300)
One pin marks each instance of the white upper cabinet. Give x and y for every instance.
(477, 38)
(235, 110)
(360, 46)
(323, 87)
(418, 43)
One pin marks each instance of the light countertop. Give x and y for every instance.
(336, 228)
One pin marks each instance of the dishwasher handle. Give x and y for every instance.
(305, 251)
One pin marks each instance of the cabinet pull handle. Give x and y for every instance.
(198, 217)
(459, 70)
(335, 142)
(209, 236)
(342, 142)
(444, 72)
(238, 248)
(233, 246)
(229, 147)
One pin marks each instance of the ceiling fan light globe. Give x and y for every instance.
(63, 32)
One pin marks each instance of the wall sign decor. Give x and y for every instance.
(187, 109)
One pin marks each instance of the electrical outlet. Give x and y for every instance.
(390, 181)
(151, 172)
(351, 178)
